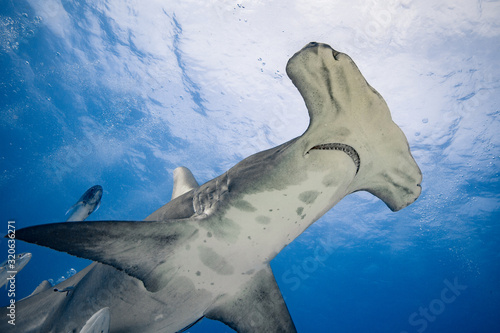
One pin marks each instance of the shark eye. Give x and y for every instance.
(335, 54)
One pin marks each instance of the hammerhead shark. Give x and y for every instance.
(206, 253)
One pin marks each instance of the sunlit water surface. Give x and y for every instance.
(119, 93)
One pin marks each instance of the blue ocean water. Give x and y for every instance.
(120, 93)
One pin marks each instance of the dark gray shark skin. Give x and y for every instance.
(207, 252)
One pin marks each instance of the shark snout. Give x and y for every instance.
(318, 47)
(95, 194)
(311, 45)
(405, 187)
(417, 190)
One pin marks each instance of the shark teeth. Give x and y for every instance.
(353, 154)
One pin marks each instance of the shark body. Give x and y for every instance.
(206, 253)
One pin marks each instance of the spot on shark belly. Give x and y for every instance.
(223, 229)
(308, 197)
(214, 261)
(263, 219)
(244, 206)
(330, 180)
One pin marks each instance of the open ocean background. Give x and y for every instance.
(119, 93)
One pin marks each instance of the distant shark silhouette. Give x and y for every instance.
(206, 253)
(88, 203)
(13, 265)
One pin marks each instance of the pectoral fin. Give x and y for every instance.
(136, 247)
(257, 307)
(99, 322)
(45, 285)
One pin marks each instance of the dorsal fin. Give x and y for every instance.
(183, 182)
(45, 285)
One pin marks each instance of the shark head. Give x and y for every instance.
(88, 203)
(92, 196)
(347, 114)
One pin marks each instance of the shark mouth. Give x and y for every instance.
(353, 154)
